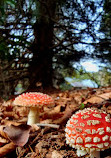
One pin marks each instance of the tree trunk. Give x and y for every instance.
(41, 65)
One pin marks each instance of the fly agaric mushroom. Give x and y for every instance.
(35, 101)
(89, 131)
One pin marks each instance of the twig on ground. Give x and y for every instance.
(48, 125)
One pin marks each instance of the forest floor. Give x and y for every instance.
(18, 140)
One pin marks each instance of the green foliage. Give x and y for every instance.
(65, 86)
(12, 3)
(82, 106)
(101, 78)
(104, 76)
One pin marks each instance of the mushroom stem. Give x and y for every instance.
(94, 154)
(81, 152)
(33, 116)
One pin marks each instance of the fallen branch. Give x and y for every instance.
(48, 125)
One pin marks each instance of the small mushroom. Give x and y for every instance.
(89, 131)
(35, 101)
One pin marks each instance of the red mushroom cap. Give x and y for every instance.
(33, 99)
(89, 129)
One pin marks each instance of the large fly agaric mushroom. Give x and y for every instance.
(35, 101)
(89, 131)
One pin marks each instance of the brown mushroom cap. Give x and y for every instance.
(89, 129)
(33, 99)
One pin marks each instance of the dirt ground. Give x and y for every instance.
(18, 140)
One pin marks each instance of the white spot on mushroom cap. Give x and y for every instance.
(108, 129)
(93, 122)
(74, 121)
(68, 131)
(88, 139)
(78, 129)
(89, 145)
(73, 132)
(88, 131)
(105, 138)
(82, 124)
(72, 141)
(107, 118)
(101, 131)
(106, 144)
(96, 139)
(97, 115)
(100, 145)
(79, 140)
(70, 125)
(94, 131)
(85, 116)
(75, 116)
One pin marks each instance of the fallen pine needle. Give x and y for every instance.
(31, 149)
